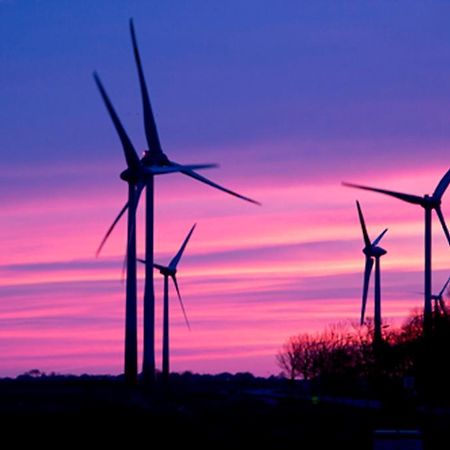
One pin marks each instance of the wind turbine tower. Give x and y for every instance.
(373, 253)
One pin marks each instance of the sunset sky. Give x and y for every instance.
(290, 98)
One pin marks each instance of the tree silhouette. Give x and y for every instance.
(344, 356)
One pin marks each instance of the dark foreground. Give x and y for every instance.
(200, 411)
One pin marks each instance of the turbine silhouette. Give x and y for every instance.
(170, 271)
(372, 252)
(134, 175)
(428, 203)
(140, 174)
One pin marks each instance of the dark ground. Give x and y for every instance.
(201, 411)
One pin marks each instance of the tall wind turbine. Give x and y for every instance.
(134, 176)
(428, 203)
(170, 271)
(154, 162)
(372, 252)
(439, 299)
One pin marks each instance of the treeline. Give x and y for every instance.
(344, 360)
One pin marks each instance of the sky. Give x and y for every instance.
(290, 98)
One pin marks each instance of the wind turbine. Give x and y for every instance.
(428, 203)
(372, 252)
(439, 299)
(170, 272)
(154, 162)
(134, 175)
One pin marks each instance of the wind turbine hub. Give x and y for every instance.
(430, 201)
(167, 271)
(155, 159)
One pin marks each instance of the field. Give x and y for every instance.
(201, 411)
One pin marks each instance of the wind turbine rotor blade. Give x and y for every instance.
(195, 175)
(444, 225)
(151, 132)
(363, 225)
(142, 261)
(442, 186)
(378, 239)
(367, 272)
(131, 156)
(161, 170)
(415, 199)
(198, 166)
(444, 288)
(110, 229)
(159, 266)
(181, 301)
(195, 166)
(176, 259)
(139, 189)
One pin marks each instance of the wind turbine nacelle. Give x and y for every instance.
(430, 201)
(130, 176)
(378, 251)
(167, 271)
(374, 251)
(135, 176)
(155, 159)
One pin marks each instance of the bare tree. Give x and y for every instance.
(300, 356)
(287, 358)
